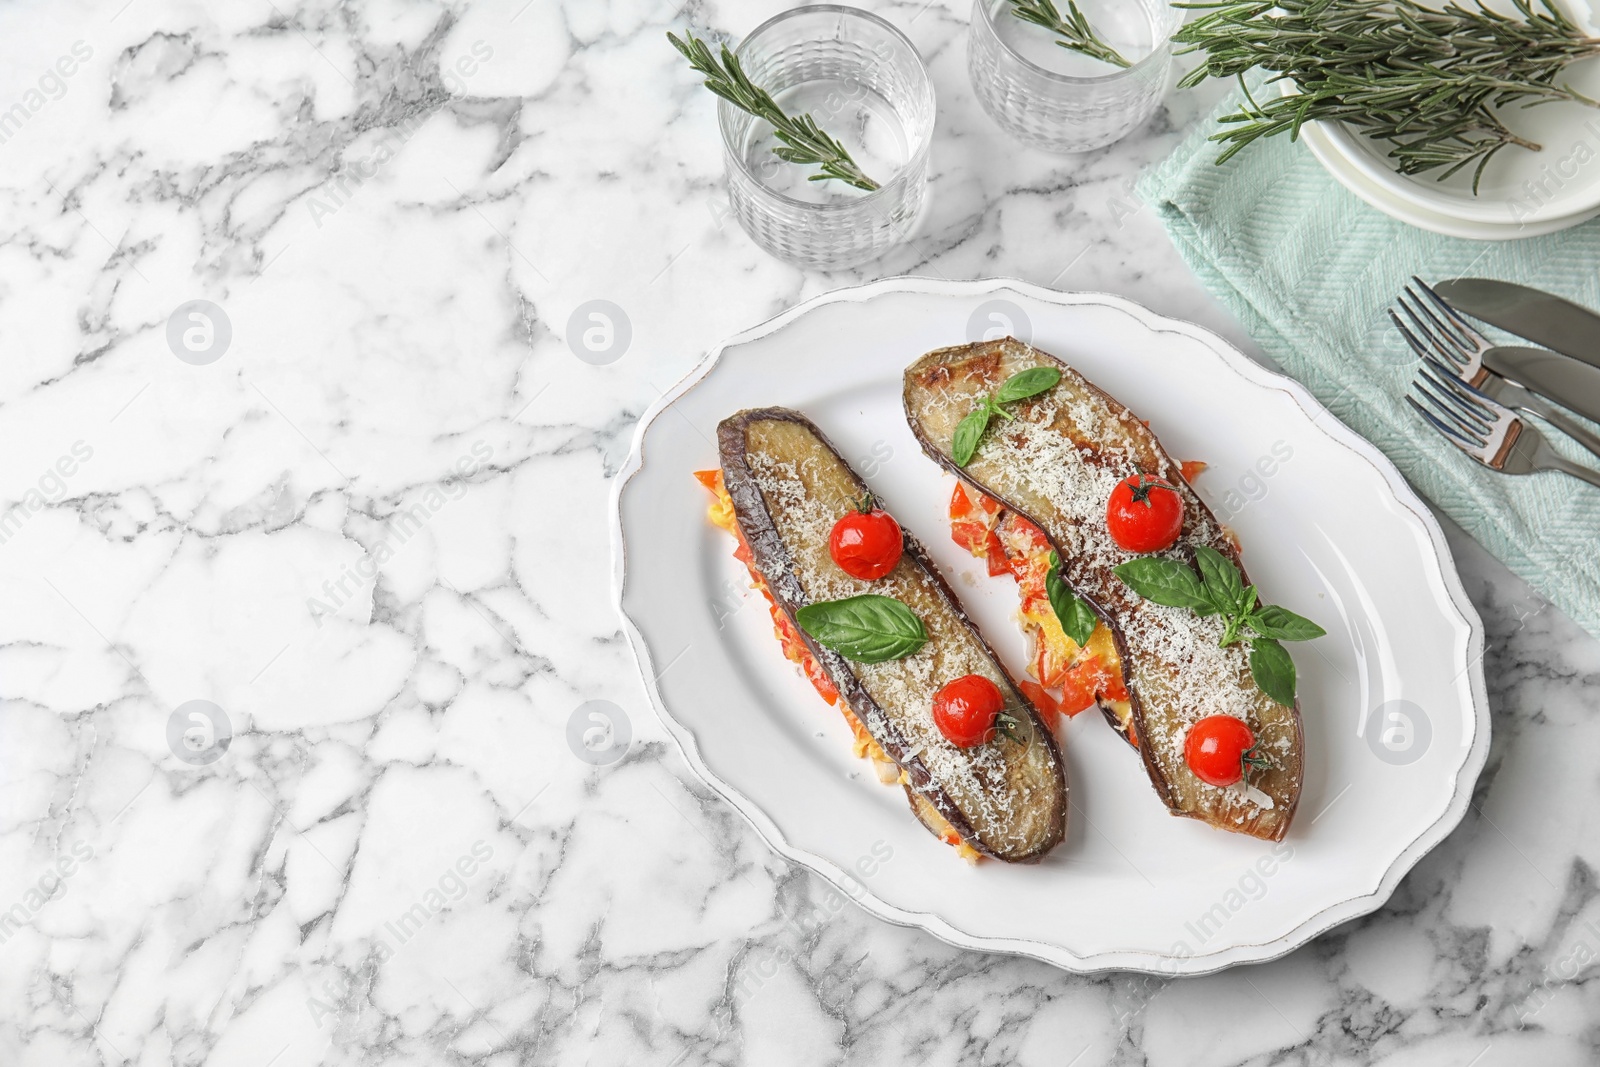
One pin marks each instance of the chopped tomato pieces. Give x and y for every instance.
(975, 537)
(1049, 666)
(1191, 467)
(794, 647)
(998, 563)
(1036, 542)
(1086, 679)
(820, 680)
(973, 529)
(1048, 708)
(1011, 545)
(960, 503)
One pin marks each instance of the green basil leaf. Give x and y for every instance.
(1026, 383)
(1221, 578)
(868, 629)
(1281, 624)
(1165, 581)
(1273, 670)
(969, 431)
(1075, 615)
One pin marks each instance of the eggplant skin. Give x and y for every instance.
(968, 788)
(1109, 442)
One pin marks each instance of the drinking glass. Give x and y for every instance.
(865, 84)
(1057, 100)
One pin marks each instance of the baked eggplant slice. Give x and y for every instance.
(1055, 465)
(1006, 798)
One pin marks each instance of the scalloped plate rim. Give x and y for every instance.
(1135, 960)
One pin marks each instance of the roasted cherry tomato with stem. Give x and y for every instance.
(1221, 750)
(866, 542)
(1144, 514)
(967, 711)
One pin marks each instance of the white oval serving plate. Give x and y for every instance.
(1393, 698)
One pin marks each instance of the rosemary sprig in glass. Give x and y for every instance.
(803, 141)
(1072, 31)
(1430, 82)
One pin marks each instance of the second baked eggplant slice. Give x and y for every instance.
(789, 486)
(1055, 465)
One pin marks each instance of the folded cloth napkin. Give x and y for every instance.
(1309, 268)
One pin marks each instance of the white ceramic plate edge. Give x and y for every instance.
(1334, 160)
(1330, 147)
(1127, 960)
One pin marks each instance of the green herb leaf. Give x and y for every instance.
(868, 629)
(1020, 386)
(1075, 615)
(1026, 383)
(1281, 624)
(801, 140)
(1273, 670)
(1166, 581)
(1221, 577)
(969, 431)
(1435, 83)
(1220, 588)
(1072, 32)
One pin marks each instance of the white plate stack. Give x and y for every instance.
(1522, 193)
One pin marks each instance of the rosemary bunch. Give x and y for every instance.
(1430, 82)
(1072, 31)
(803, 141)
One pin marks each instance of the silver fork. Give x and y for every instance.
(1445, 339)
(1485, 429)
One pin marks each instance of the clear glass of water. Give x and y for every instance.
(1059, 100)
(865, 84)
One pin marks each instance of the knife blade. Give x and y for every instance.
(1573, 385)
(1540, 317)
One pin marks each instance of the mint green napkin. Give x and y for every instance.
(1309, 268)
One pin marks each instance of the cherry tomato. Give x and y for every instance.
(1144, 514)
(965, 710)
(866, 543)
(1216, 749)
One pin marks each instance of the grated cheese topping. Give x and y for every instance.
(1059, 461)
(803, 501)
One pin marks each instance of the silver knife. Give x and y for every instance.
(1549, 320)
(1573, 385)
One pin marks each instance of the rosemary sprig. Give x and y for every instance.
(804, 142)
(1073, 31)
(1429, 82)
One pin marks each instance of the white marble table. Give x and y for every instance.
(369, 528)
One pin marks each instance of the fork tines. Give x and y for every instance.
(1442, 329)
(1466, 417)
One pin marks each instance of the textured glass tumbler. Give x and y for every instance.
(1016, 72)
(864, 83)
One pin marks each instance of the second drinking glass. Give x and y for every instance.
(1059, 100)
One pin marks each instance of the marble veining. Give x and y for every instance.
(353, 503)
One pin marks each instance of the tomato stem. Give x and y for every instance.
(1009, 725)
(1253, 757)
(1141, 491)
